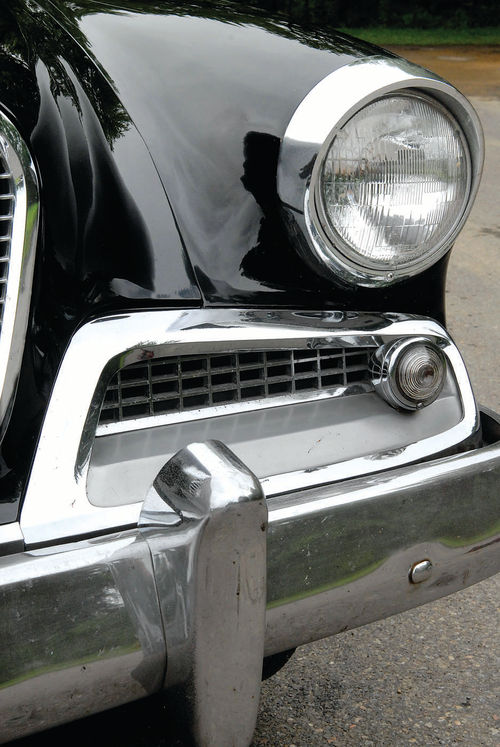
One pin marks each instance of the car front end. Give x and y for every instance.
(233, 419)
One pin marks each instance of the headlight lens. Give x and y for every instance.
(394, 184)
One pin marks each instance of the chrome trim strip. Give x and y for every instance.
(56, 504)
(314, 124)
(81, 632)
(21, 264)
(340, 556)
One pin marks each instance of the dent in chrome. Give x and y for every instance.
(20, 259)
(101, 347)
(211, 578)
(309, 134)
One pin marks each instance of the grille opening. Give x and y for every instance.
(133, 373)
(197, 382)
(180, 384)
(193, 366)
(304, 384)
(164, 368)
(224, 378)
(251, 374)
(277, 371)
(251, 359)
(199, 400)
(135, 393)
(222, 361)
(332, 380)
(224, 398)
(165, 387)
(111, 397)
(280, 387)
(164, 405)
(307, 366)
(134, 411)
(6, 206)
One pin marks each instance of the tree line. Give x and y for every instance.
(391, 13)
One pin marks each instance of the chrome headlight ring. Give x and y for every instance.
(317, 121)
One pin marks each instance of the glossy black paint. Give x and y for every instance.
(156, 128)
(107, 240)
(212, 89)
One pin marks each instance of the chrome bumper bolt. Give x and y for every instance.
(420, 571)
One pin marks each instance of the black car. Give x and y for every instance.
(232, 419)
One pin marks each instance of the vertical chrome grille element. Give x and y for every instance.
(18, 229)
(7, 203)
(180, 384)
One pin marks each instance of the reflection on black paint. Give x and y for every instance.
(272, 260)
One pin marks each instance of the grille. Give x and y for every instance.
(192, 382)
(6, 215)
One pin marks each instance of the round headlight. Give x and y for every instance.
(393, 184)
(378, 170)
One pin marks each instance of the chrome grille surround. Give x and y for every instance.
(103, 346)
(188, 386)
(19, 210)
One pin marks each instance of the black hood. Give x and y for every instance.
(211, 89)
(155, 129)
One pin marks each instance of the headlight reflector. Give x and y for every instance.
(394, 183)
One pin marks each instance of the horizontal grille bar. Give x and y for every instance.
(192, 382)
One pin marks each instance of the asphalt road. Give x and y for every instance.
(426, 677)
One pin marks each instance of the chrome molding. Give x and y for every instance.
(314, 124)
(56, 505)
(21, 260)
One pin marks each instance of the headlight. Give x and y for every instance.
(390, 175)
(394, 183)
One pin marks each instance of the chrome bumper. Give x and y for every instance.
(179, 601)
(341, 556)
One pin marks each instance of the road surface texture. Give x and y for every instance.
(429, 676)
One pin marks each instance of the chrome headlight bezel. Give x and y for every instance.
(308, 138)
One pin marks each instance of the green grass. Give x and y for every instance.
(427, 37)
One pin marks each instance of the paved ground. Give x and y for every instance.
(429, 676)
